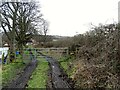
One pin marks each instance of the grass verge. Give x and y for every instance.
(0, 76)
(66, 64)
(9, 71)
(39, 76)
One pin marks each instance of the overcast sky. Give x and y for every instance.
(70, 17)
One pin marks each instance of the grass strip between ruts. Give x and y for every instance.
(39, 76)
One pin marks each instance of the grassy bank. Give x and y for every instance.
(39, 76)
(66, 64)
(0, 75)
(9, 71)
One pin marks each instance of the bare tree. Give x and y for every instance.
(27, 21)
(19, 22)
(45, 30)
(8, 23)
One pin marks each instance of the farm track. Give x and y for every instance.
(22, 80)
(57, 77)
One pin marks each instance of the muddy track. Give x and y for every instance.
(22, 80)
(57, 77)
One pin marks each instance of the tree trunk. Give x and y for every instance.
(12, 53)
(21, 52)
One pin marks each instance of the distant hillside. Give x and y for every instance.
(49, 38)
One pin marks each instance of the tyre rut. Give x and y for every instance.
(22, 80)
(58, 77)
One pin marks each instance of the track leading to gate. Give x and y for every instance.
(59, 79)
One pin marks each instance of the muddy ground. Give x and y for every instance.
(23, 78)
(57, 78)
